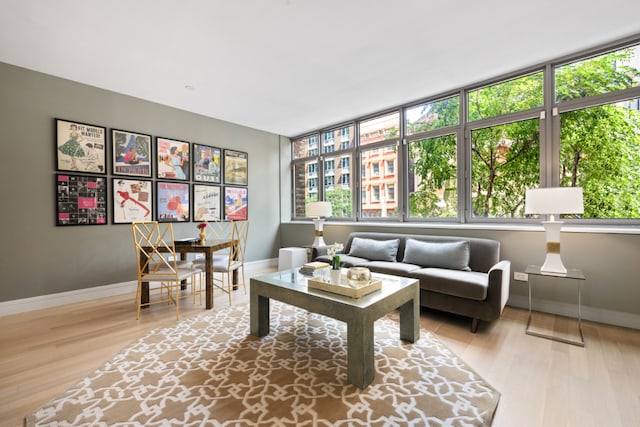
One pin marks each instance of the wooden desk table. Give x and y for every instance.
(208, 249)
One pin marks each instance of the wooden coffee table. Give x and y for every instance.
(359, 314)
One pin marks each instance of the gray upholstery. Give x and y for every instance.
(451, 255)
(480, 293)
(375, 250)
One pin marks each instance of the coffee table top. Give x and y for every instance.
(297, 282)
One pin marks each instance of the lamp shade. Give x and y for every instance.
(319, 209)
(554, 201)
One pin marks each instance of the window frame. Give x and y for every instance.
(548, 115)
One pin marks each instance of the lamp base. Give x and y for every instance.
(553, 265)
(319, 240)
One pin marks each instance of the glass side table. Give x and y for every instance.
(574, 274)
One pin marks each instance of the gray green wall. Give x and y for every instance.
(37, 258)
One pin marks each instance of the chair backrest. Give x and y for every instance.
(220, 229)
(154, 247)
(241, 231)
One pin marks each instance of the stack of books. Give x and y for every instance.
(311, 267)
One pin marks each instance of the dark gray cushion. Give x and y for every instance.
(464, 284)
(345, 260)
(451, 255)
(393, 268)
(375, 250)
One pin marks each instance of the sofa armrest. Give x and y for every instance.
(319, 251)
(498, 286)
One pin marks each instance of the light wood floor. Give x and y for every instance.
(543, 383)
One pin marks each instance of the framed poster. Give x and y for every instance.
(172, 159)
(236, 203)
(235, 167)
(80, 147)
(131, 153)
(206, 164)
(206, 202)
(132, 200)
(172, 202)
(81, 200)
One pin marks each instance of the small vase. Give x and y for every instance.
(335, 276)
(203, 238)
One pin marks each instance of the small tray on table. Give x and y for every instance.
(344, 287)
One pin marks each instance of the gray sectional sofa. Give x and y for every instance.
(459, 275)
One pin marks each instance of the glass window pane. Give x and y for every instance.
(305, 147)
(505, 162)
(377, 181)
(433, 189)
(600, 152)
(432, 115)
(507, 97)
(380, 128)
(341, 138)
(305, 186)
(601, 74)
(337, 185)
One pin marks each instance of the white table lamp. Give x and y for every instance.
(553, 201)
(318, 210)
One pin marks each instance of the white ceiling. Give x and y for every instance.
(291, 66)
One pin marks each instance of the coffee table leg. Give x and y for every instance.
(360, 364)
(259, 315)
(410, 321)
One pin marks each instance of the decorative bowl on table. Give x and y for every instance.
(358, 276)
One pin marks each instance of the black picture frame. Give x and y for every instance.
(81, 199)
(80, 147)
(207, 200)
(236, 167)
(172, 201)
(131, 153)
(236, 203)
(131, 200)
(206, 162)
(172, 159)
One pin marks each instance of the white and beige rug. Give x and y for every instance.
(209, 371)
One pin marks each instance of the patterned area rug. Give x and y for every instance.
(209, 370)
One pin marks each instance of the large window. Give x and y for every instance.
(470, 155)
(600, 152)
(599, 135)
(433, 189)
(375, 183)
(514, 95)
(323, 171)
(504, 164)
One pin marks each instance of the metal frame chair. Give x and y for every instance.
(158, 263)
(230, 259)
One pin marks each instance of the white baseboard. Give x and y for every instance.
(609, 317)
(53, 300)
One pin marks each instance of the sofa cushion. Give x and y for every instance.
(345, 260)
(463, 284)
(394, 268)
(375, 250)
(451, 255)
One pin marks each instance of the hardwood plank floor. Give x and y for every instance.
(543, 383)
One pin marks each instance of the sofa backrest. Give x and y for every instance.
(483, 253)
